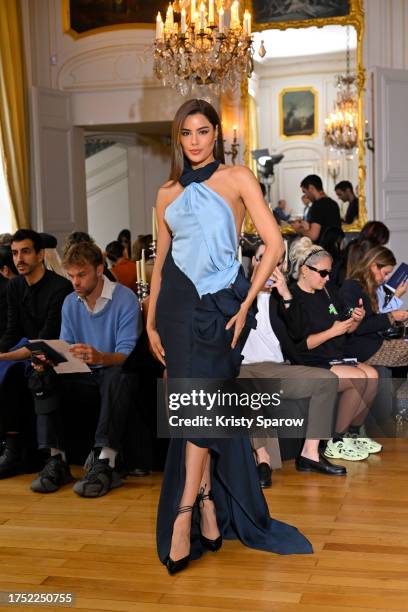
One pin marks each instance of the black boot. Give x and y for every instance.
(10, 458)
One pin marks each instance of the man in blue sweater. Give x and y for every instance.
(101, 321)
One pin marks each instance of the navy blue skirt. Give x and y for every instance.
(196, 345)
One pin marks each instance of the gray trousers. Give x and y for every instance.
(318, 385)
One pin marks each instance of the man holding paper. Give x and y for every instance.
(101, 321)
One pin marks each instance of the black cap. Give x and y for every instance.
(49, 241)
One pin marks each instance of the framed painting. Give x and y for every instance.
(275, 12)
(298, 112)
(84, 17)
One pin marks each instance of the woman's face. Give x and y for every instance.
(380, 274)
(313, 273)
(197, 138)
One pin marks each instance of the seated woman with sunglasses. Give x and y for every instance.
(315, 315)
(364, 278)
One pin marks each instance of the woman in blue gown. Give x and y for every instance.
(200, 310)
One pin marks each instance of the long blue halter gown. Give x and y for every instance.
(202, 284)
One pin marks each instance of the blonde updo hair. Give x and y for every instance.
(302, 250)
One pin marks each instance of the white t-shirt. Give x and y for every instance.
(262, 344)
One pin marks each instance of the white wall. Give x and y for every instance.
(107, 194)
(302, 156)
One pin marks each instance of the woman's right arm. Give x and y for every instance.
(337, 329)
(162, 247)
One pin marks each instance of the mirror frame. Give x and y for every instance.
(354, 18)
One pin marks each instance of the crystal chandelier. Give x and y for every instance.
(204, 47)
(341, 126)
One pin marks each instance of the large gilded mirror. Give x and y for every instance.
(312, 63)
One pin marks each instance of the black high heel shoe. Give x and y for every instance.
(176, 566)
(212, 545)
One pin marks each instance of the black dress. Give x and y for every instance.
(196, 344)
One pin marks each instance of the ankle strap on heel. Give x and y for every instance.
(183, 509)
(202, 496)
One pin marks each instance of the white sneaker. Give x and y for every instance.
(365, 444)
(344, 449)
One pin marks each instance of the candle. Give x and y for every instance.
(192, 11)
(235, 133)
(154, 224)
(138, 273)
(211, 11)
(247, 23)
(143, 267)
(183, 21)
(202, 16)
(240, 254)
(221, 20)
(234, 14)
(170, 18)
(159, 26)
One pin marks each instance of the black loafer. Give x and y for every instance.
(323, 466)
(264, 475)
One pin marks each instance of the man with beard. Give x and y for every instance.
(34, 303)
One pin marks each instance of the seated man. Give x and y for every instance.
(279, 212)
(34, 302)
(101, 321)
(264, 357)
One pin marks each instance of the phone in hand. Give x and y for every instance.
(346, 313)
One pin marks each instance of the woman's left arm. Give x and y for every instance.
(264, 221)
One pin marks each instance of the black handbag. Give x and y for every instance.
(393, 332)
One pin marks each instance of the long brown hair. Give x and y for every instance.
(193, 107)
(379, 255)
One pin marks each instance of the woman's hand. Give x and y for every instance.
(279, 282)
(399, 315)
(238, 320)
(341, 327)
(156, 346)
(401, 289)
(359, 312)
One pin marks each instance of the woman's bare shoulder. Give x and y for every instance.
(236, 173)
(168, 192)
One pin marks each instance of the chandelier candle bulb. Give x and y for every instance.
(211, 12)
(192, 11)
(235, 15)
(183, 21)
(235, 133)
(240, 254)
(159, 26)
(221, 20)
(202, 16)
(170, 18)
(138, 271)
(247, 23)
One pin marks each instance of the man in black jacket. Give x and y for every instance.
(267, 354)
(34, 303)
(7, 272)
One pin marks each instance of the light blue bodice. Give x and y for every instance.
(204, 238)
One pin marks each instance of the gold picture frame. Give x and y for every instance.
(354, 18)
(68, 29)
(299, 132)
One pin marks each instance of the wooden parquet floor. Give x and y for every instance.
(103, 550)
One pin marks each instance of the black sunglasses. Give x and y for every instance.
(323, 273)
